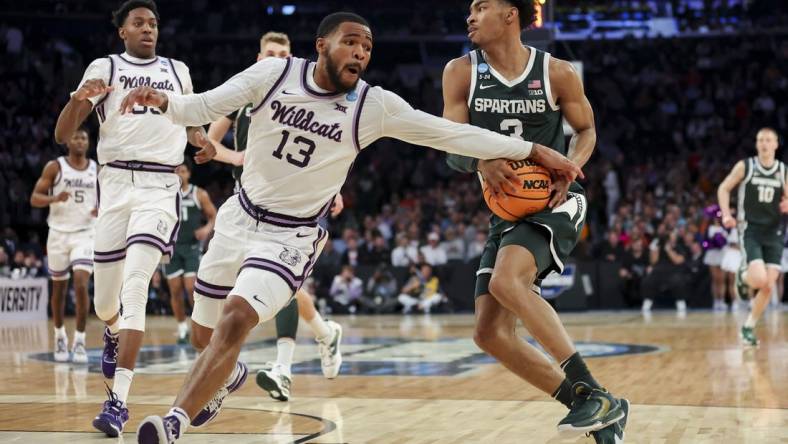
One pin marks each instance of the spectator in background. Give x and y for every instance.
(633, 269)
(422, 290)
(5, 266)
(377, 252)
(380, 294)
(345, 291)
(405, 254)
(453, 246)
(433, 252)
(611, 250)
(476, 247)
(352, 254)
(669, 259)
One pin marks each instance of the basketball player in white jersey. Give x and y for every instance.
(278, 380)
(309, 122)
(137, 188)
(68, 187)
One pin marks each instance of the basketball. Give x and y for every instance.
(531, 198)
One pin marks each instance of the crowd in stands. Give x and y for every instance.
(672, 117)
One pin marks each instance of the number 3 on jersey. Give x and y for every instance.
(299, 141)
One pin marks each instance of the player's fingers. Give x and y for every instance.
(513, 178)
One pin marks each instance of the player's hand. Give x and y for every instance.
(207, 151)
(729, 222)
(61, 197)
(559, 188)
(784, 205)
(556, 162)
(145, 96)
(91, 88)
(202, 233)
(337, 206)
(500, 177)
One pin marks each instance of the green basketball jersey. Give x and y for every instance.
(522, 108)
(760, 193)
(191, 216)
(241, 119)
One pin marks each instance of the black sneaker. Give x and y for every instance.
(592, 409)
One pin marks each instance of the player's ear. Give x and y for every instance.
(320, 45)
(122, 33)
(511, 16)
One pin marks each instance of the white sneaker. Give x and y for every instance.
(61, 348)
(647, 304)
(79, 354)
(735, 306)
(275, 382)
(330, 355)
(681, 306)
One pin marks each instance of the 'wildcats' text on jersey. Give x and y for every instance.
(144, 134)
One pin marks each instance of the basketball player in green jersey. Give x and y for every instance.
(278, 380)
(762, 198)
(182, 269)
(517, 90)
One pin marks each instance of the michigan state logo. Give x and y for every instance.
(290, 256)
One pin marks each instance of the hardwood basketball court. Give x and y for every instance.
(421, 379)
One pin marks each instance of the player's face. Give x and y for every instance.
(766, 143)
(140, 32)
(183, 173)
(78, 143)
(273, 49)
(487, 20)
(347, 52)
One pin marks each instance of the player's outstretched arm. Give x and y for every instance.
(248, 86)
(391, 116)
(40, 197)
(724, 193)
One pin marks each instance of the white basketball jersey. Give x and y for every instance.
(144, 134)
(302, 144)
(75, 213)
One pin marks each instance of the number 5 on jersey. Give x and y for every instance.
(306, 148)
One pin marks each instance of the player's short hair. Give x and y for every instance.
(119, 15)
(331, 22)
(770, 130)
(526, 9)
(274, 37)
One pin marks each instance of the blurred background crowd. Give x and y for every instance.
(673, 114)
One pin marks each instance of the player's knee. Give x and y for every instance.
(488, 337)
(237, 319)
(106, 305)
(505, 285)
(757, 280)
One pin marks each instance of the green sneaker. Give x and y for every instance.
(592, 409)
(183, 340)
(748, 337)
(614, 434)
(742, 289)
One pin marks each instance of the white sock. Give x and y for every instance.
(79, 337)
(122, 383)
(233, 375)
(182, 416)
(183, 328)
(319, 327)
(285, 347)
(60, 332)
(114, 328)
(750, 322)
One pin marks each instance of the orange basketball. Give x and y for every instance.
(531, 198)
